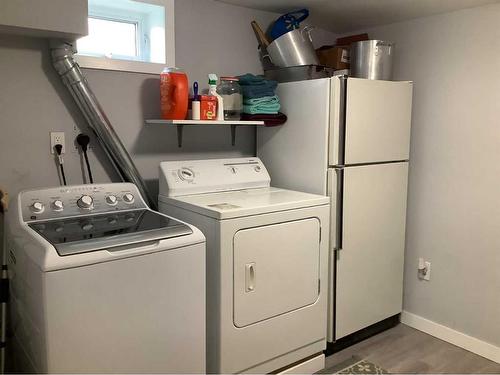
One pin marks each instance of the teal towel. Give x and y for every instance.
(268, 109)
(259, 111)
(256, 86)
(268, 105)
(264, 100)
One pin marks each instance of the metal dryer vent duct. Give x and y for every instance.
(73, 78)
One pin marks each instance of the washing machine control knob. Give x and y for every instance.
(86, 202)
(57, 205)
(111, 200)
(37, 207)
(128, 198)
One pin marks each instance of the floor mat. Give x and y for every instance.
(355, 365)
(363, 367)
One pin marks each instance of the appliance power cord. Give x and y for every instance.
(60, 160)
(83, 140)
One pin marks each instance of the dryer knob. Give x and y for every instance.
(185, 174)
(85, 202)
(37, 207)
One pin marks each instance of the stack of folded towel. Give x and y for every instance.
(259, 106)
(260, 100)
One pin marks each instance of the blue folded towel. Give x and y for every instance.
(264, 105)
(254, 86)
(264, 100)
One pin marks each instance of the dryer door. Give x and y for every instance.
(276, 269)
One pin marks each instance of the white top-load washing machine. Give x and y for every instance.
(267, 263)
(100, 283)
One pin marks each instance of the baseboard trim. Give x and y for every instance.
(457, 338)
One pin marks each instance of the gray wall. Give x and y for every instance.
(454, 202)
(210, 37)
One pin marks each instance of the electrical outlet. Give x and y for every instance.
(74, 147)
(424, 269)
(427, 275)
(57, 138)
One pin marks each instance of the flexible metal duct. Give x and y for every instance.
(73, 78)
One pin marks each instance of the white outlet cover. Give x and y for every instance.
(57, 138)
(427, 275)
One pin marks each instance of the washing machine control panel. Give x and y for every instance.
(179, 178)
(79, 200)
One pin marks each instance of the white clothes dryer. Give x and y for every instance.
(267, 263)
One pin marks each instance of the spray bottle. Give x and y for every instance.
(212, 84)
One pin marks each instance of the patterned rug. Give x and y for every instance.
(355, 365)
(363, 367)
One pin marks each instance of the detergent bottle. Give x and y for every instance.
(174, 92)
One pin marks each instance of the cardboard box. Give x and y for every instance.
(334, 57)
(348, 40)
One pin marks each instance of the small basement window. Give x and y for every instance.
(128, 35)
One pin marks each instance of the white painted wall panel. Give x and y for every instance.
(454, 204)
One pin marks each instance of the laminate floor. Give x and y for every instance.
(405, 350)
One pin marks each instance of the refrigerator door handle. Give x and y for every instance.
(342, 120)
(339, 209)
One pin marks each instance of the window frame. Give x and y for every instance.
(138, 32)
(136, 66)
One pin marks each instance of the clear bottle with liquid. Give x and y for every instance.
(230, 91)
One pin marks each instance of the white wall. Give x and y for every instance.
(210, 37)
(454, 186)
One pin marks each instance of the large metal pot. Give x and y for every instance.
(372, 59)
(293, 49)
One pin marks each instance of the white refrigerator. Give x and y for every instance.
(349, 138)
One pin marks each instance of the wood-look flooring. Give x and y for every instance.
(405, 350)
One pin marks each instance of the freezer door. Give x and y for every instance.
(374, 125)
(369, 241)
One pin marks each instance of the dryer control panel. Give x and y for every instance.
(66, 201)
(178, 178)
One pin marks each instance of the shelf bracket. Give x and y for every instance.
(180, 128)
(233, 135)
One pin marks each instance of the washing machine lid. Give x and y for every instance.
(83, 234)
(232, 204)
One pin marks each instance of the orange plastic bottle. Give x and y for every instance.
(174, 94)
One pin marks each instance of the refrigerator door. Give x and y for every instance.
(369, 239)
(296, 154)
(374, 123)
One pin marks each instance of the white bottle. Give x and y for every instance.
(212, 84)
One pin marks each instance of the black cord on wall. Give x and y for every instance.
(58, 149)
(83, 140)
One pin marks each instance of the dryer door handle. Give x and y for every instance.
(249, 277)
